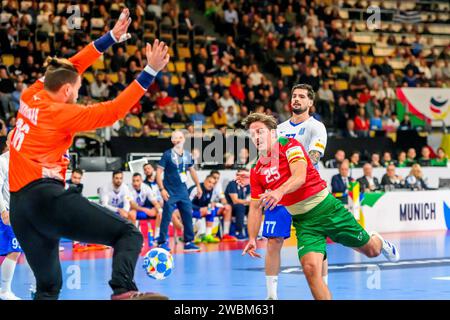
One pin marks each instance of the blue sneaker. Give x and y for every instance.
(165, 246)
(389, 250)
(191, 247)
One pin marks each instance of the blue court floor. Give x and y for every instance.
(222, 273)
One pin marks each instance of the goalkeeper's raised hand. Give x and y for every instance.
(119, 32)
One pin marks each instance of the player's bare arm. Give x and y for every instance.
(270, 199)
(253, 225)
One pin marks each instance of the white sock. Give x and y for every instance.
(271, 285)
(226, 227)
(208, 231)
(325, 279)
(157, 233)
(8, 267)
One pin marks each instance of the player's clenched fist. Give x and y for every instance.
(157, 55)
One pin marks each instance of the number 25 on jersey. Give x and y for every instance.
(272, 174)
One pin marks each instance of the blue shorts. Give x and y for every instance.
(8, 240)
(141, 215)
(277, 223)
(210, 217)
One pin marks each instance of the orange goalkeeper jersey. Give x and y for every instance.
(45, 129)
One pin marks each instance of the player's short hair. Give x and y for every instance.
(210, 176)
(214, 172)
(137, 174)
(77, 170)
(59, 72)
(147, 164)
(269, 121)
(116, 172)
(307, 87)
(242, 169)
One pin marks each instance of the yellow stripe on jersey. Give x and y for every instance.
(319, 145)
(298, 159)
(295, 153)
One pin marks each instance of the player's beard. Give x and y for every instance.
(299, 110)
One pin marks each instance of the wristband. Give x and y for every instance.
(104, 42)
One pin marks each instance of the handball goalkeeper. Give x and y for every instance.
(42, 211)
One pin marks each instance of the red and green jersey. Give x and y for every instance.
(271, 171)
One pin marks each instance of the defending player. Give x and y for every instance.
(277, 223)
(42, 212)
(284, 175)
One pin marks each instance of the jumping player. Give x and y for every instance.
(312, 134)
(284, 175)
(42, 212)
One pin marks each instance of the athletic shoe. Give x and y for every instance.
(165, 246)
(190, 247)
(210, 239)
(61, 248)
(8, 295)
(228, 238)
(389, 250)
(92, 246)
(79, 247)
(136, 295)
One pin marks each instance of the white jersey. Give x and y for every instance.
(311, 133)
(114, 199)
(4, 182)
(146, 193)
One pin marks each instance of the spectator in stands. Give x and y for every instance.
(15, 70)
(406, 123)
(339, 156)
(424, 70)
(362, 123)
(401, 159)
(15, 96)
(152, 121)
(441, 160)
(425, 160)
(340, 182)
(350, 131)
(411, 157)
(387, 159)
(237, 90)
(415, 179)
(155, 8)
(368, 182)
(232, 117)
(255, 75)
(355, 160)
(6, 90)
(358, 82)
(238, 196)
(212, 104)
(118, 61)
(198, 116)
(227, 100)
(374, 79)
(127, 129)
(182, 91)
(391, 180)
(132, 71)
(170, 116)
(375, 160)
(231, 19)
(219, 117)
(98, 87)
(410, 78)
(392, 123)
(376, 122)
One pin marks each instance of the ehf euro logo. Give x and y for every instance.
(439, 107)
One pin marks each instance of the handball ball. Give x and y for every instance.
(158, 263)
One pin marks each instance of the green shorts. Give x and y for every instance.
(329, 218)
